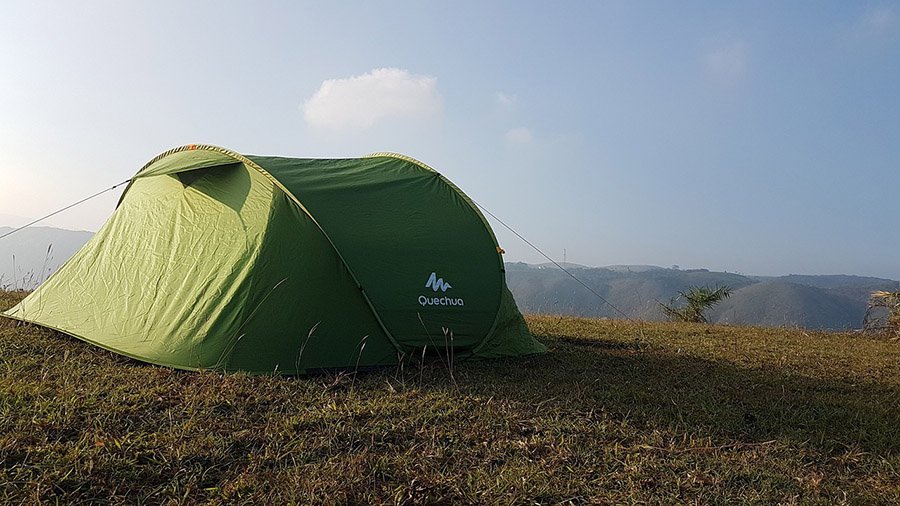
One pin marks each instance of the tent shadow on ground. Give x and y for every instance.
(654, 388)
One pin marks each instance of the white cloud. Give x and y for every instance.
(880, 21)
(505, 99)
(520, 135)
(726, 64)
(361, 101)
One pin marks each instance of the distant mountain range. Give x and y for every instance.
(835, 302)
(817, 302)
(31, 255)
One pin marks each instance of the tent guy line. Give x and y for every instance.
(554, 262)
(54, 213)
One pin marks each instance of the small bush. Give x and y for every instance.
(697, 301)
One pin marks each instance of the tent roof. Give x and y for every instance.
(286, 173)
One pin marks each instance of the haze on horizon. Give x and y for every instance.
(759, 138)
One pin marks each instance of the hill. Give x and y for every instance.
(816, 302)
(779, 303)
(32, 254)
(614, 413)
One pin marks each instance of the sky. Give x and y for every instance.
(750, 137)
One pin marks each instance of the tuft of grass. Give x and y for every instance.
(681, 412)
(31, 279)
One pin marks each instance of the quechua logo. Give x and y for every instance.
(436, 283)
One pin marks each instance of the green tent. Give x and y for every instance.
(216, 260)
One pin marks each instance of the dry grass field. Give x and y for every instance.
(615, 412)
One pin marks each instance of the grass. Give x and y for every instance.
(677, 413)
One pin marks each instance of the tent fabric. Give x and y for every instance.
(216, 260)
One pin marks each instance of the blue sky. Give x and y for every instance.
(754, 137)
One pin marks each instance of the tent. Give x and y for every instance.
(216, 260)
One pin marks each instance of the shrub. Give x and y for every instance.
(697, 301)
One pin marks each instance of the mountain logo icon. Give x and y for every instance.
(436, 283)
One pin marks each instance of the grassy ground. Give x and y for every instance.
(610, 414)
